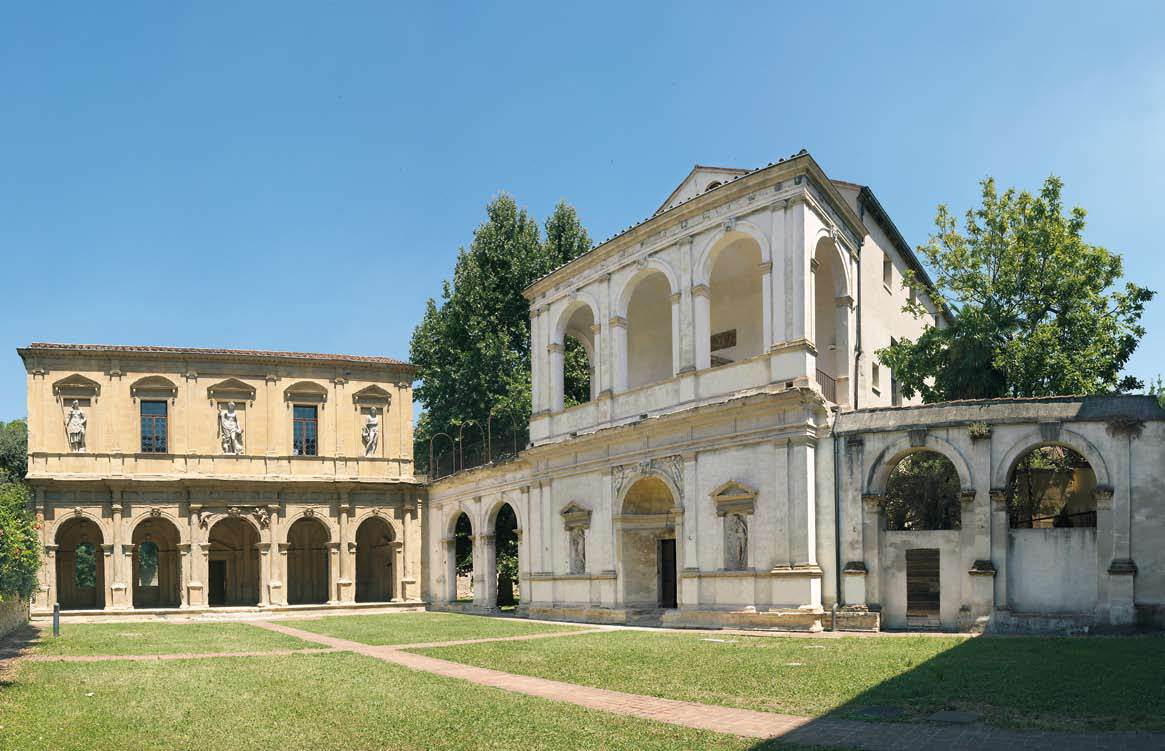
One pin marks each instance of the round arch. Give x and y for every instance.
(889, 457)
(233, 561)
(649, 267)
(155, 565)
(64, 521)
(330, 529)
(80, 563)
(1034, 439)
(578, 300)
(717, 242)
(828, 248)
(396, 526)
(308, 539)
(376, 542)
(676, 496)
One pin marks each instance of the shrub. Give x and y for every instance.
(19, 543)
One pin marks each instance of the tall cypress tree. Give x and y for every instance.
(472, 351)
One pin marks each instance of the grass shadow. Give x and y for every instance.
(1008, 687)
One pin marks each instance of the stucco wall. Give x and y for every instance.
(1051, 570)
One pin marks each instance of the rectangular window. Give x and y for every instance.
(305, 430)
(876, 378)
(153, 427)
(887, 271)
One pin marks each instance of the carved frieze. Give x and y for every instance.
(669, 467)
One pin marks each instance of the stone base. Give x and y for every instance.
(582, 613)
(771, 620)
(856, 619)
(240, 610)
(1008, 622)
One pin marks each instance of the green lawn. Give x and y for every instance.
(417, 628)
(162, 638)
(337, 700)
(1065, 684)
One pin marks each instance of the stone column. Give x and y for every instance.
(347, 593)
(485, 593)
(333, 573)
(873, 526)
(195, 587)
(597, 375)
(111, 600)
(279, 593)
(536, 397)
(449, 590)
(116, 574)
(766, 295)
(556, 356)
(1000, 531)
(398, 565)
(410, 546)
(184, 562)
(701, 326)
(47, 594)
(618, 326)
(677, 334)
(264, 549)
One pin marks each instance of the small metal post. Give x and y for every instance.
(56, 619)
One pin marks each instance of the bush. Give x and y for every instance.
(19, 543)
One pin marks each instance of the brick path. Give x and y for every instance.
(743, 722)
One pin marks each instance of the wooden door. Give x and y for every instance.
(667, 573)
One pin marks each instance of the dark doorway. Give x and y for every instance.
(307, 563)
(667, 573)
(217, 595)
(922, 587)
(80, 566)
(374, 553)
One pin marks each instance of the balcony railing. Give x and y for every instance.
(828, 385)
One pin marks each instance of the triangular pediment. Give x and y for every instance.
(700, 180)
(372, 395)
(232, 389)
(76, 385)
(154, 385)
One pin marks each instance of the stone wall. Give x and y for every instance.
(13, 615)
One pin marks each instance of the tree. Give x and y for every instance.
(19, 547)
(13, 451)
(922, 493)
(1031, 308)
(472, 352)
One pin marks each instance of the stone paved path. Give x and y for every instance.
(743, 722)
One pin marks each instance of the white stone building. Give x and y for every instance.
(734, 463)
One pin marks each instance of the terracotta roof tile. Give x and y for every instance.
(132, 349)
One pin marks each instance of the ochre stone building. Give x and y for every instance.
(188, 478)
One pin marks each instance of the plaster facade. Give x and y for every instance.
(731, 467)
(221, 477)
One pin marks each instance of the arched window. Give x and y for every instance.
(578, 338)
(1052, 486)
(713, 185)
(922, 494)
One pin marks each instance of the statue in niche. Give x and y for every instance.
(736, 542)
(578, 550)
(371, 432)
(229, 430)
(75, 427)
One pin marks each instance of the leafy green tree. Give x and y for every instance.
(19, 547)
(1032, 309)
(13, 451)
(472, 351)
(922, 493)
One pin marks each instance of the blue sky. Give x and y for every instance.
(301, 175)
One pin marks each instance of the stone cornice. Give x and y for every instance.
(756, 190)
